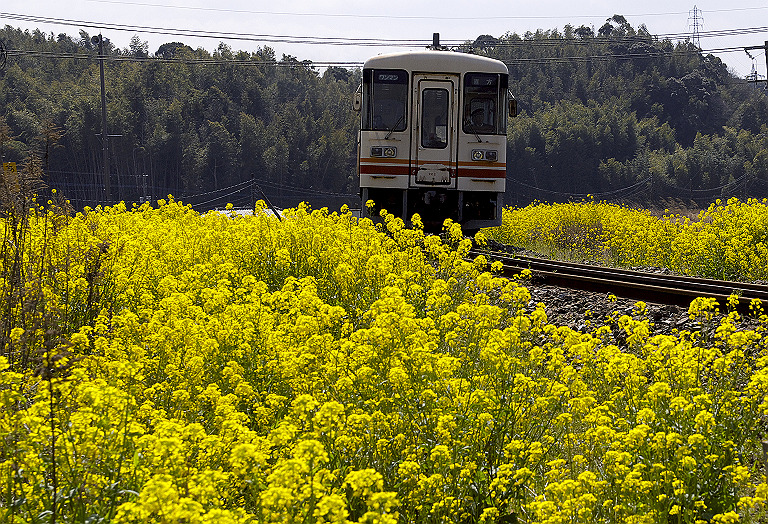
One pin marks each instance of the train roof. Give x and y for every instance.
(442, 61)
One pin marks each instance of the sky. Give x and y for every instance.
(724, 28)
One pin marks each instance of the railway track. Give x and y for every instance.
(648, 287)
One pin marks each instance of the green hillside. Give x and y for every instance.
(615, 113)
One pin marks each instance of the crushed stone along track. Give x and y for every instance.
(671, 290)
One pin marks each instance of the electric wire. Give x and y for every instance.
(197, 33)
(350, 64)
(239, 185)
(408, 17)
(683, 190)
(605, 194)
(317, 192)
(242, 190)
(648, 39)
(642, 186)
(346, 41)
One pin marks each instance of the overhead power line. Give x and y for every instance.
(284, 63)
(351, 64)
(346, 41)
(559, 41)
(403, 16)
(196, 61)
(196, 33)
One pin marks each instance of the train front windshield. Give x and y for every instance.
(484, 107)
(385, 100)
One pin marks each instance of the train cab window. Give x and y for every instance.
(434, 118)
(385, 100)
(484, 103)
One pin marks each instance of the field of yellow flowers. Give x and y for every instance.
(161, 365)
(726, 241)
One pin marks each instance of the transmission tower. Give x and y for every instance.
(695, 23)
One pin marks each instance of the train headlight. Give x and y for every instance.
(489, 155)
(381, 151)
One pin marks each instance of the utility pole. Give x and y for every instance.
(764, 48)
(3, 55)
(104, 137)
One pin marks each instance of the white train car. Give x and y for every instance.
(432, 141)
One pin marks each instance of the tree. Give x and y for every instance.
(171, 50)
(138, 48)
(584, 32)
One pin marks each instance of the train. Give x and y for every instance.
(433, 135)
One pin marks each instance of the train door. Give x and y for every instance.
(434, 137)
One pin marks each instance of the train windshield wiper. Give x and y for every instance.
(473, 128)
(389, 132)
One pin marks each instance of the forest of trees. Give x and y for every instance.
(615, 113)
(200, 126)
(628, 117)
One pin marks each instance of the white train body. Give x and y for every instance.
(433, 136)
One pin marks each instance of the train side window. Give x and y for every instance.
(434, 118)
(385, 100)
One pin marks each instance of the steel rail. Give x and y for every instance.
(649, 287)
